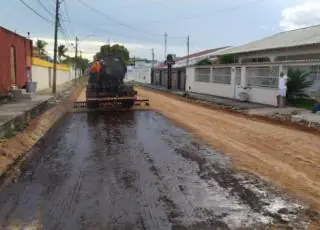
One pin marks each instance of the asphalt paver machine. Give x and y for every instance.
(108, 89)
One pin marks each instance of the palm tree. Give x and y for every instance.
(41, 47)
(62, 49)
(298, 81)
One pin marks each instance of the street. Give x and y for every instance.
(286, 157)
(137, 170)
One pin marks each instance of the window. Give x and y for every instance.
(313, 72)
(238, 76)
(221, 75)
(202, 74)
(263, 76)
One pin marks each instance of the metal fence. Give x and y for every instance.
(202, 74)
(263, 76)
(215, 75)
(221, 75)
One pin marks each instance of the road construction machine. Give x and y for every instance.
(108, 89)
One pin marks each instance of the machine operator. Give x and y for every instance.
(95, 69)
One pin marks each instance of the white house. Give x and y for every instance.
(179, 68)
(141, 72)
(257, 65)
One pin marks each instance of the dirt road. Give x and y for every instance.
(285, 157)
(137, 170)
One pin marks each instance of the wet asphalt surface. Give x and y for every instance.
(137, 170)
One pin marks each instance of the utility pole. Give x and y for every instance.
(188, 49)
(55, 49)
(75, 59)
(109, 46)
(152, 69)
(152, 58)
(165, 45)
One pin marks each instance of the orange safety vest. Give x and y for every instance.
(95, 68)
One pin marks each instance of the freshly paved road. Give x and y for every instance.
(137, 170)
(286, 157)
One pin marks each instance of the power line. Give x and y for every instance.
(204, 14)
(131, 5)
(67, 38)
(45, 8)
(68, 17)
(34, 11)
(117, 21)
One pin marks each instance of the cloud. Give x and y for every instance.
(89, 48)
(303, 14)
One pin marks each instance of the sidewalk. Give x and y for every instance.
(297, 115)
(15, 115)
(223, 102)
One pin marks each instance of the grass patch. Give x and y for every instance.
(304, 103)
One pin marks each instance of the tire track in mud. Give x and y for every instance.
(226, 178)
(219, 171)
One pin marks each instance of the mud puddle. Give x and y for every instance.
(136, 170)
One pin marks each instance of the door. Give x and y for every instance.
(179, 79)
(165, 78)
(182, 80)
(174, 80)
(13, 65)
(237, 85)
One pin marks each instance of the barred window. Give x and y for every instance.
(202, 74)
(238, 75)
(221, 75)
(263, 76)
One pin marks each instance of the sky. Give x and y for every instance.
(140, 25)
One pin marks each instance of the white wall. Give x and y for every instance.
(259, 95)
(265, 96)
(142, 75)
(216, 89)
(44, 76)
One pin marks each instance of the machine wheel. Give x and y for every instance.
(128, 104)
(92, 105)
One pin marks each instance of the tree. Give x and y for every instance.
(79, 62)
(62, 50)
(297, 83)
(41, 47)
(227, 59)
(204, 62)
(83, 64)
(117, 50)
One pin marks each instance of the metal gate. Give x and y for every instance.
(164, 78)
(174, 81)
(182, 80)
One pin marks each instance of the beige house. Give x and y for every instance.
(257, 65)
